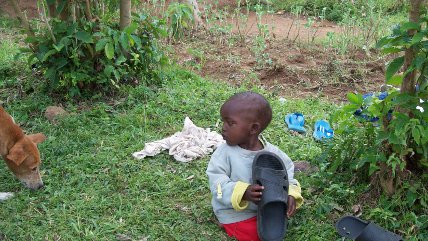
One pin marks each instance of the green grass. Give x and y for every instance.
(96, 190)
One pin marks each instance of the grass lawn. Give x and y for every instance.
(95, 189)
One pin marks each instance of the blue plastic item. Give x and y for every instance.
(295, 122)
(322, 130)
(358, 113)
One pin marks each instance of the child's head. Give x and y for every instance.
(245, 115)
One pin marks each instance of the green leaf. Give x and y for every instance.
(108, 70)
(409, 25)
(124, 42)
(58, 47)
(120, 59)
(383, 41)
(391, 50)
(356, 99)
(372, 168)
(417, 37)
(65, 41)
(32, 39)
(84, 36)
(61, 62)
(137, 40)
(351, 108)
(395, 80)
(25, 50)
(131, 28)
(416, 135)
(419, 60)
(411, 197)
(393, 67)
(49, 53)
(109, 50)
(101, 44)
(30, 59)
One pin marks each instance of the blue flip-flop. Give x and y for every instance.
(295, 122)
(358, 113)
(322, 130)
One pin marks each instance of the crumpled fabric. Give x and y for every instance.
(191, 143)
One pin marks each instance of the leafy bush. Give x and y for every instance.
(390, 133)
(82, 55)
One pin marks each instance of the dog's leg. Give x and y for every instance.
(5, 195)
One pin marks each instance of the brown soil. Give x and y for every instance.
(282, 25)
(297, 70)
(28, 7)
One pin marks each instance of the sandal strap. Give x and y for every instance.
(275, 183)
(271, 175)
(373, 232)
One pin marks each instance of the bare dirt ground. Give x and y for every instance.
(28, 7)
(298, 67)
(282, 25)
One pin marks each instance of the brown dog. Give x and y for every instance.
(20, 151)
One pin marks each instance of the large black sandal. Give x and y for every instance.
(269, 171)
(357, 229)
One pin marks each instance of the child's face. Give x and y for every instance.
(236, 128)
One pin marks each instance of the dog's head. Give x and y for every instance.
(24, 160)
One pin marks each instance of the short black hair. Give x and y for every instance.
(257, 105)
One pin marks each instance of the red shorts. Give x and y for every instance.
(245, 230)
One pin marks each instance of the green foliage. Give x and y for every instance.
(86, 54)
(7, 66)
(403, 141)
(179, 16)
(334, 9)
(399, 41)
(399, 138)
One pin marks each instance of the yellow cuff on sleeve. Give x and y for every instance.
(295, 191)
(238, 192)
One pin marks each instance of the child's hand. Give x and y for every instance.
(253, 193)
(291, 206)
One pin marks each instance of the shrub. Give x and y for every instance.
(83, 55)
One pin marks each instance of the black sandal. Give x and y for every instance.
(357, 229)
(269, 171)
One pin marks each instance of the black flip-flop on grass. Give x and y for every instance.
(357, 229)
(269, 171)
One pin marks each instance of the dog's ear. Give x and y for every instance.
(17, 153)
(37, 138)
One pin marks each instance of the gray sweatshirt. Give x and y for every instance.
(228, 169)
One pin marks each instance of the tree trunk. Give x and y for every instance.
(387, 181)
(52, 8)
(88, 14)
(409, 81)
(125, 13)
(65, 13)
(22, 18)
